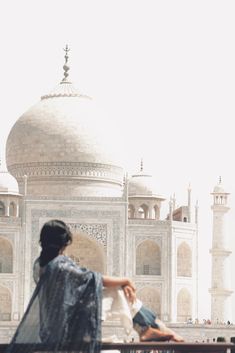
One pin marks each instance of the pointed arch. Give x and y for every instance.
(2, 209)
(6, 256)
(131, 211)
(12, 209)
(5, 304)
(184, 305)
(143, 211)
(151, 298)
(157, 212)
(87, 252)
(148, 258)
(184, 260)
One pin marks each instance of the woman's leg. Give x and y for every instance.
(167, 330)
(150, 328)
(154, 334)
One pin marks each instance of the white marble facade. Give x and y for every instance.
(148, 251)
(220, 277)
(63, 171)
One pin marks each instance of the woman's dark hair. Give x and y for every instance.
(54, 236)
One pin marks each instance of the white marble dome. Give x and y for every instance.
(8, 184)
(143, 185)
(219, 188)
(61, 147)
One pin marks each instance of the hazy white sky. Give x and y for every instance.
(162, 72)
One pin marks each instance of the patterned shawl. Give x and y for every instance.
(64, 312)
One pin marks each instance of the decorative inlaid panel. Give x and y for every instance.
(95, 230)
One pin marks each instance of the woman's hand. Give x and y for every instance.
(129, 292)
(126, 284)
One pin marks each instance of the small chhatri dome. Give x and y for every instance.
(8, 184)
(219, 188)
(61, 147)
(143, 185)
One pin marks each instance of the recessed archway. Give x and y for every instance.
(2, 209)
(156, 212)
(148, 258)
(184, 305)
(6, 256)
(143, 211)
(184, 260)
(87, 252)
(12, 209)
(151, 299)
(131, 211)
(5, 304)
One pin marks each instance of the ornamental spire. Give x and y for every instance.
(141, 165)
(66, 67)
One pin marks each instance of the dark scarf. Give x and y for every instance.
(64, 312)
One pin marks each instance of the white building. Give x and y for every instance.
(59, 168)
(220, 276)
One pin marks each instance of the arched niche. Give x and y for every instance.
(2, 209)
(143, 211)
(12, 209)
(131, 211)
(151, 298)
(87, 252)
(184, 305)
(6, 256)
(184, 260)
(156, 212)
(5, 304)
(148, 258)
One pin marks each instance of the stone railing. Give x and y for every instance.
(169, 347)
(145, 347)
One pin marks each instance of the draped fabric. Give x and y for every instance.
(116, 306)
(64, 312)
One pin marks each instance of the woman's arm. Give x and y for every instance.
(109, 281)
(126, 284)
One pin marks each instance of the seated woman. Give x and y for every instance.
(64, 311)
(65, 308)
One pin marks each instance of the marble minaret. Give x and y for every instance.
(220, 279)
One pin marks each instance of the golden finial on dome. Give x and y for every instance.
(66, 67)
